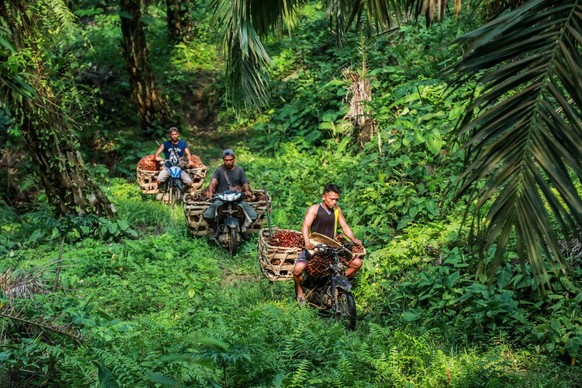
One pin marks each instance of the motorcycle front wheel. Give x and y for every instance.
(174, 195)
(232, 241)
(345, 311)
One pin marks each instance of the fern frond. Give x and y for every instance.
(301, 374)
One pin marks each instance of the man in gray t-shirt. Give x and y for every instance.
(228, 177)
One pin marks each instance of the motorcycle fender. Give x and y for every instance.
(341, 282)
(232, 222)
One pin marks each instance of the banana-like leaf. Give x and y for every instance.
(523, 132)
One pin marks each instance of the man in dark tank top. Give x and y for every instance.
(323, 218)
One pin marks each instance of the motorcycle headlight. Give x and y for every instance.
(230, 197)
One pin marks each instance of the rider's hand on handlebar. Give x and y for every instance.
(309, 246)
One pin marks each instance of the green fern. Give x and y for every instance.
(301, 374)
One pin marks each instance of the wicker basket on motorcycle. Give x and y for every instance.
(196, 203)
(147, 174)
(148, 170)
(278, 252)
(197, 174)
(261, 202)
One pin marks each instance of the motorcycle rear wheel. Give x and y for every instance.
(345, 311)
(232, 241)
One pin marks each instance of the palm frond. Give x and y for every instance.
(370, 15)
(524, 131)
(241, 24)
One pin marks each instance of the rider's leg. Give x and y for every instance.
(251, 212)
(298, 278)
(210, 213)
(163, 175)
(186, 179)
(298, 269)
(353, 267)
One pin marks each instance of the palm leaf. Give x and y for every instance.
(524, 132)
(370, 15)
(241, 24)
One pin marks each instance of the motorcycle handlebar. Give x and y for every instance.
(338, 250)
(327, 248)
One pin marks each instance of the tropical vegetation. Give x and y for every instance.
(453, 128)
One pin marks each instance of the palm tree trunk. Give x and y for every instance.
(150, 104)
(428, 9)
(179, 20)
(457, 8)
(68, 185)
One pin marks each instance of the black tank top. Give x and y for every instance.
(324, 222)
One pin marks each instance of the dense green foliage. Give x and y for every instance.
(140, 302)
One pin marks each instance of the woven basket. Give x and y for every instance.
(276, 262)
(261, 205)
(195, 206)
(197, 175)
(148, 181)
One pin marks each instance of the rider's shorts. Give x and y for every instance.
(303, 257)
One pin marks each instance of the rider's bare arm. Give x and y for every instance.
(158, 152)
(211, 186)
(247, 189)
(347, 230)
(309, 218)
(189, 156)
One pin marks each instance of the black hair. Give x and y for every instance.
(331, 187)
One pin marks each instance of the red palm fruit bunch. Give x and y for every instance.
(148, 163)
(287, 239)
(197, 162)
(318, 265)
(357, 249)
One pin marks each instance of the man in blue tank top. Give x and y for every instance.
(174, 151)
(323, 218)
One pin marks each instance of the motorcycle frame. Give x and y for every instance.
(337, 280)
(230, 221)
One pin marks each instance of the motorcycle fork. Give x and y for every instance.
(340, 282)
(231, 221)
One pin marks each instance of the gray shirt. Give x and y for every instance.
(236, 177)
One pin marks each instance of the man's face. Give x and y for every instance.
(174, 135)
(228, 162)
(330, 199)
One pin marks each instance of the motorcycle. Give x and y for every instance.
(332, 293)
(172, 193)
(230, 220)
